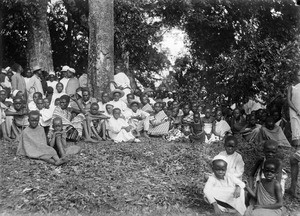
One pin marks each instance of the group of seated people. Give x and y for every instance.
(45, 122)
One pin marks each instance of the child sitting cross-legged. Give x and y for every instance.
(223, 190)
(235, 163)
(268, 195)
(33, 143)
(118, 129)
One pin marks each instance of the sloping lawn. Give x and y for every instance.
(149, 178)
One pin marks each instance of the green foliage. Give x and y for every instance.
(239, 48)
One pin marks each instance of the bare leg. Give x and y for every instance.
(146, 134)
(59, 161)
(60, 147)
(95, 133)
(5, 136)
(103, 127)
(86, 133)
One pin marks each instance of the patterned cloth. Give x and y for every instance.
(159, 124)
(275, 134)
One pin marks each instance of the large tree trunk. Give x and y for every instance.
(101, 45)
(39, 43)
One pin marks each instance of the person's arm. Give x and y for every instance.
(279, 200)
(239, 169)
(250, 191)
(279, 175)
(75, 99)
(290, 102)
(253, 172)
(95, 133)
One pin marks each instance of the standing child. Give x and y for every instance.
(268, 193)
(224, 191)
(208, 126)
(235, 163)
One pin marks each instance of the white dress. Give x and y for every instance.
(115, 131)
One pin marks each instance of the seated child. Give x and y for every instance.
(20, 117)
(96, 120)
(116, 102)
(197, 134)
(235, 163)
(238, 122)
(45, 114)
(58, 137)
(137, 119)
(252, 129)
(175, 126)
(268, 195)
(223, 190)
(208, 124)
(33, 143)
(32, 105)
(118, 129)
(221, 127)
(270, 149)
(274, 132)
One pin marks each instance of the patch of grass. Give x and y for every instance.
(148, 178)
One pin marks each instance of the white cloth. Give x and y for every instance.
(223, 189)
(102, 107)
(55, 96)
(35, 83)
(135, 123)
(119, 104)
(122, 80)
(46, 116)
(83, 80)
(53, 85)
(64, 81)
(115, 131)
(6, 83)
(32, 106)
(235, 164)
(221, 128)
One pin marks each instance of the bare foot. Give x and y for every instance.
(292, 193)
(61, 161)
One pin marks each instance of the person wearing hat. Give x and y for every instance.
(52, 81)
(137, 119)
(34, 83)
(73, 82)
(116, 102)
(65, 78)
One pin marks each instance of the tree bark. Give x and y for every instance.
(101, 45)
(39, 43)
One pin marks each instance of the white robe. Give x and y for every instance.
(137, 124)
(53, 85)
(64, 81)
(223, 189)
(119, 104)
(115, 131)
(235, 164)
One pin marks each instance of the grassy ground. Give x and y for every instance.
(149, 178)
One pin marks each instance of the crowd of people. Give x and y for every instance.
(44, 112)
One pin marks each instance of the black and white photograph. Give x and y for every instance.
(149, 107)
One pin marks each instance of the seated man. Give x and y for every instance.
(137, 119)
(118, 129)
(33, 143)
(85, 101)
